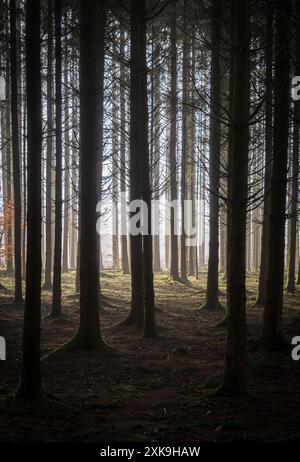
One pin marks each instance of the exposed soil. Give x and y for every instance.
(151, 389)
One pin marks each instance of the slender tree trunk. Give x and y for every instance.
(212, 301)
(115, 168)
(49, 156)
(174, 274)
(272, 337)
(30, 387)
(24, 192)
(74, 188)
(7, 183)
(184, 142)
(291, 284)
(124, 249)
(261, 296)
(56, 294)
(92, 21)
(156, 145)
(67, 170)
(91, 68)
(234, 381)
(149, 310)
(136, 315)
(191, 163)
(167, 216)
(77, 275)
(99, 165)
(74, 157)
(203, 215)
(230, 126)
(15, 153)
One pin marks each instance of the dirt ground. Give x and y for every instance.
(151, 389)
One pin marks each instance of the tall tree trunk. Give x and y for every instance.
(191, 163)
(261, 296)
(30, 387)
(156, 145)
(15, 153)
(92, 23)
(115, 167)
(272, 337)
(91, 68)
(291, 284)
(149, 311)
(123, 82)
(7, 183)
(67, 169)
(56, 294)
(174, 274)
(74, 157)
(77, 275)
(24, 190)
(202, 253)
(136, 315)
(49, 156)
(212, 301)
(184, 141)
(99, 164)
(234, 381)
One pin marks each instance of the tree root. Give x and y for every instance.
(77, 343)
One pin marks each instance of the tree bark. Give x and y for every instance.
(261, 296)
(67, 170)
(7, 183)
(234, 381)
(136, 315)
(184, 142)
(30, 387)
(272, 337)
(156, 144)
(149, 309)
(56, 293)
(49, 156)
(291, 284)
(115, 168)
(15, 153)
(174, 274)
(92, 24)
(212, 300)
(123, 83)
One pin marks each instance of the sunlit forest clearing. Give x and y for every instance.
(157, 388)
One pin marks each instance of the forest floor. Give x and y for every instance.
(151, 389)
